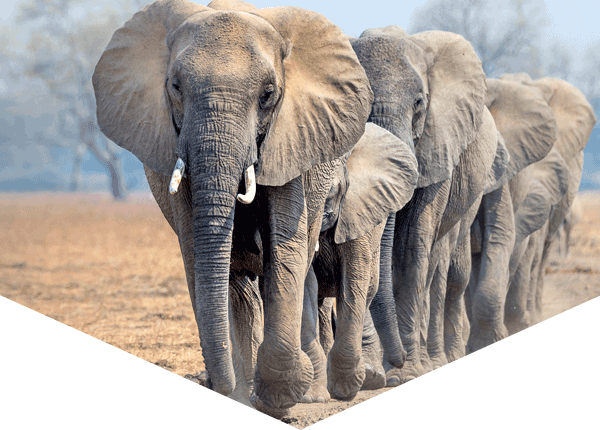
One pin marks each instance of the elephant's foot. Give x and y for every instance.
(278, 390)
(372, 356)
(484, 334)
(344, 383)
(273, 412)
(412, 369)
(317, 393)
(438, 359)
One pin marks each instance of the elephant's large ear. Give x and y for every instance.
(550, 183)
(524, 119)
(326, 97)
(574, 115)
(129, 83)
(382, 175)
(456, 100)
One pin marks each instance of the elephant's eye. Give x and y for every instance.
(175, 84)
(265, 99)
(418, 103)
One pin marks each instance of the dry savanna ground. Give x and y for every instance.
(114, 271)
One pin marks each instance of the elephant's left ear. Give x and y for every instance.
(550, 183)
(382, 176)
(326, 97)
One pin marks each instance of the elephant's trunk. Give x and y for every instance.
(383, 309)
(216, 167)
(390, 117)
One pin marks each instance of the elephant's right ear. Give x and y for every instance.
(524, 120)
(129, 83)
(326, 97)
(382, 176)
(456, 101)
(550, 183)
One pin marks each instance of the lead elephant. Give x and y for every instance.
(219, 90)
(429, 90)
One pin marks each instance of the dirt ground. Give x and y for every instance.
(114, 271)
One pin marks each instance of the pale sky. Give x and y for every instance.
(574, 22)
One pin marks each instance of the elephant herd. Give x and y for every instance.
(352, 212)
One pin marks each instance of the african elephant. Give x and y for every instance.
(429, 90)
(507, 232)
(575, 120)
(216, 91)
(378, 179)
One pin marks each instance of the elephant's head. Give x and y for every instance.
(379, 178)
(429, 90)
(223, 88)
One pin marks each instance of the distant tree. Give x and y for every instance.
(504, 34)
(588, 77)
(65, 42)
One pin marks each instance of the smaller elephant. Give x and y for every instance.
(378, 179)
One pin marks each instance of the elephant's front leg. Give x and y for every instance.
(488, 295)
(437, 294)
(317, 393)
(345, 369)
(283, 372)
(416, 230)
(454, 309)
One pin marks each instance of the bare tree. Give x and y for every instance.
(64, 45)
(504, 34)
(588, 78)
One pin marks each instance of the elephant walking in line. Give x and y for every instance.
(429, 90)
(575, 120)
(545, 125)
(208, 95)
(378, 179)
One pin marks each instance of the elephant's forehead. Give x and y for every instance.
(228, 31)
(389, 59)
(226, 43)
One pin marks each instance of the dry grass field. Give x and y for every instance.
(114, 271)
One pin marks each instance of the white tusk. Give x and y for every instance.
(317, 247)
(177, 175)
(250, 187)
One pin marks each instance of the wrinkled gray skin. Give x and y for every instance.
(545, 124)
(378, 178)
(429, 91)
(224, 90)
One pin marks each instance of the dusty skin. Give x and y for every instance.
(114, 271)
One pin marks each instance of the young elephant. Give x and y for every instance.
(378, 179)
(209, 94)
